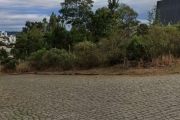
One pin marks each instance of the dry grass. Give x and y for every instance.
(166, 65)
(163, 60)
(24, 67)
(173, 68)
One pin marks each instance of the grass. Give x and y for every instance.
(168, 68)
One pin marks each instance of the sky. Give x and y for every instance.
(14, 13)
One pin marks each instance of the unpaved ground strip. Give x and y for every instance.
(54, 97)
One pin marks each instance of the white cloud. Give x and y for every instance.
(14, 13)
(143, 21)
(31, 3)
(17, 21)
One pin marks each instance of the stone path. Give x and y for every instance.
(36, 97)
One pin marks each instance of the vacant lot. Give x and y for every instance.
(89, 97)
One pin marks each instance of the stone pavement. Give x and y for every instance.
(53, 97)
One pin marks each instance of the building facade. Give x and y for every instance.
(7, 39)
(169, 11)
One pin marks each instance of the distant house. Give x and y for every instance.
(7, 39)
(169, 11)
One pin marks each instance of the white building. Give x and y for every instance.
(11, 39)
(3, 34)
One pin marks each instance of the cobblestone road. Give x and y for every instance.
(35, 97)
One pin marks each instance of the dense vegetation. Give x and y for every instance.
(111, 35)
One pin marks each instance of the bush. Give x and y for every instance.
(58, 59)
(85, 55)
(36, 59)
(51, 59)
(137, 49)
(24, 67)
(111, 51)
(8, 64)
(3, 54)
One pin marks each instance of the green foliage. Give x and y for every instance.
(58, 58)
(137, 48)
(3, 54)
(127, 16)
(9, 64)
(157, 41)
(111, 20)
(114, 32)
(154, 16)
(161, 41)
(111, 51)
(85, 54)
(58, 38)
(53, 22)
(142, 29)
(77, 34)
(28, 43)
(54, 58)
(101, 24)
(76, 12)
(36, 59)
(30, 25)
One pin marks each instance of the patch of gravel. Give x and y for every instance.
(58, 97)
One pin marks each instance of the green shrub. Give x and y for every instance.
(85, 55)
(36, 59)
(3, 54)
(58, 59)
(137, 48)
(51, 59)
(111, 51)
(9, 64)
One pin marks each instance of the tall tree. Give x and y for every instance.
(29, 25)
(101, 23)
(76, 12)
(127, 16)
(154, 16)
(113, 5)
(58, 38)
(29, 42)
(142, 29)
(53, 22)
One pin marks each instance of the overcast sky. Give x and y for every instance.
(14, 13)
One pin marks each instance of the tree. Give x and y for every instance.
(3, 54)
(29, 42)
(113, 5)
(53, 22)
(154, 16)
(29, 25)
(45, 24)
(58, 38)
(127, 16)
(76, 12)
(101, 23)
(77, 34)
(142, 29)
